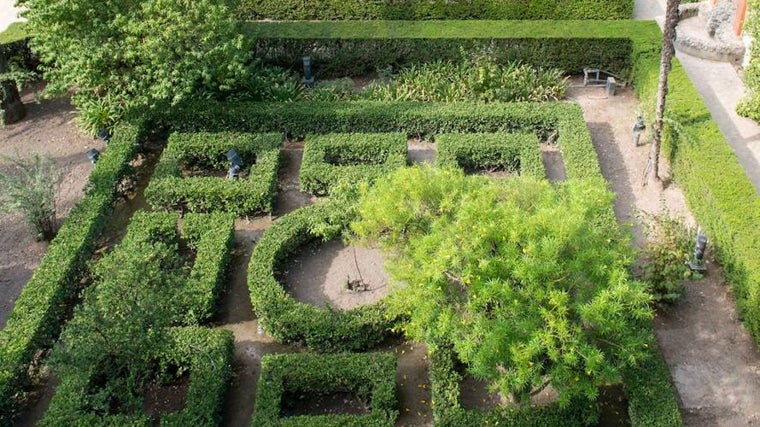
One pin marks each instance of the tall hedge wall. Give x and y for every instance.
(355, 48)
(36, 318)
(414, 10)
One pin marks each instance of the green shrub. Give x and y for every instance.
(372, 376)
(448, 412)
(260, 153)
(351, 157)
(669, 247)
(749, 106)
(36, 318)
(514, 153)
(290, 321)
(203, 353)
(339, 49)
(415, 10)
(476, 80)
(31, 190)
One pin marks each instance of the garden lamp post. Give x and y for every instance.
(236, 163)
(93, 155)
(697, 262)
(105, 135)
(638, 127)
(308, 78)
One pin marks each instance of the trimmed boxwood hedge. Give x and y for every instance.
(291, 321)
(38, 313)
(210, 236)
(411, 118)
(354, 48)
(352, 157)
(169, 190)
(207, 354)
(448, 412)
(369, 375)
(414, 10)
(516, 153)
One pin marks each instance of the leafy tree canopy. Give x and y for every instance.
(135, 53)
(528, 282)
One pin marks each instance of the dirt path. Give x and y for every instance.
(48, 129)
(713, 361)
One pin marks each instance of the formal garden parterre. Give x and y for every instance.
(472, 136)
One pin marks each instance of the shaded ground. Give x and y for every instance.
(713, 361)
(48, 129)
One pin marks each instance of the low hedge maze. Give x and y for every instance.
(330, 158)
(206, 354)
(260, 153)
(517, 154)
(371, 376)
(38, 313)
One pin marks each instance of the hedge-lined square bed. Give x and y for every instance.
(516, 153)
(205, 153)
(205, 354)
(370, 376)
(354, 157)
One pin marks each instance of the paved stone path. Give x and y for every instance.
(713, 360)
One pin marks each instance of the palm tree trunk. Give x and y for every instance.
(669, 34)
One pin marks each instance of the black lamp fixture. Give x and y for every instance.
(308, 77)
(236, 163)
(93, 155)
(105, 135)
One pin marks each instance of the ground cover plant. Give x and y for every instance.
(370, 376)
(529, 282)
(481, 79)
(329, 158)
(516, 154)
(198, 155)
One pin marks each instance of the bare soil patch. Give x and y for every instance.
(319, 274)
(164, 398)
(554, 163)
(48, 129)
(420, 151)
(339, 402)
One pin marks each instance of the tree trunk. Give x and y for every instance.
(668, 35)
(11, 106)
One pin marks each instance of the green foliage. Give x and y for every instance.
(415, 10)
(340, 49)
(651, 400)
(193, 152)
(749, 106)
(143, 54)
(669, 247)
(528, 281)
(121, 329)
(372, 376)
(291, 321)
(99, 113)
(472, 80)
(16, 31)
(36, 317)
(514, 153)
(327, 159)
(203, 353)
(448, 412)
(31, 189)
